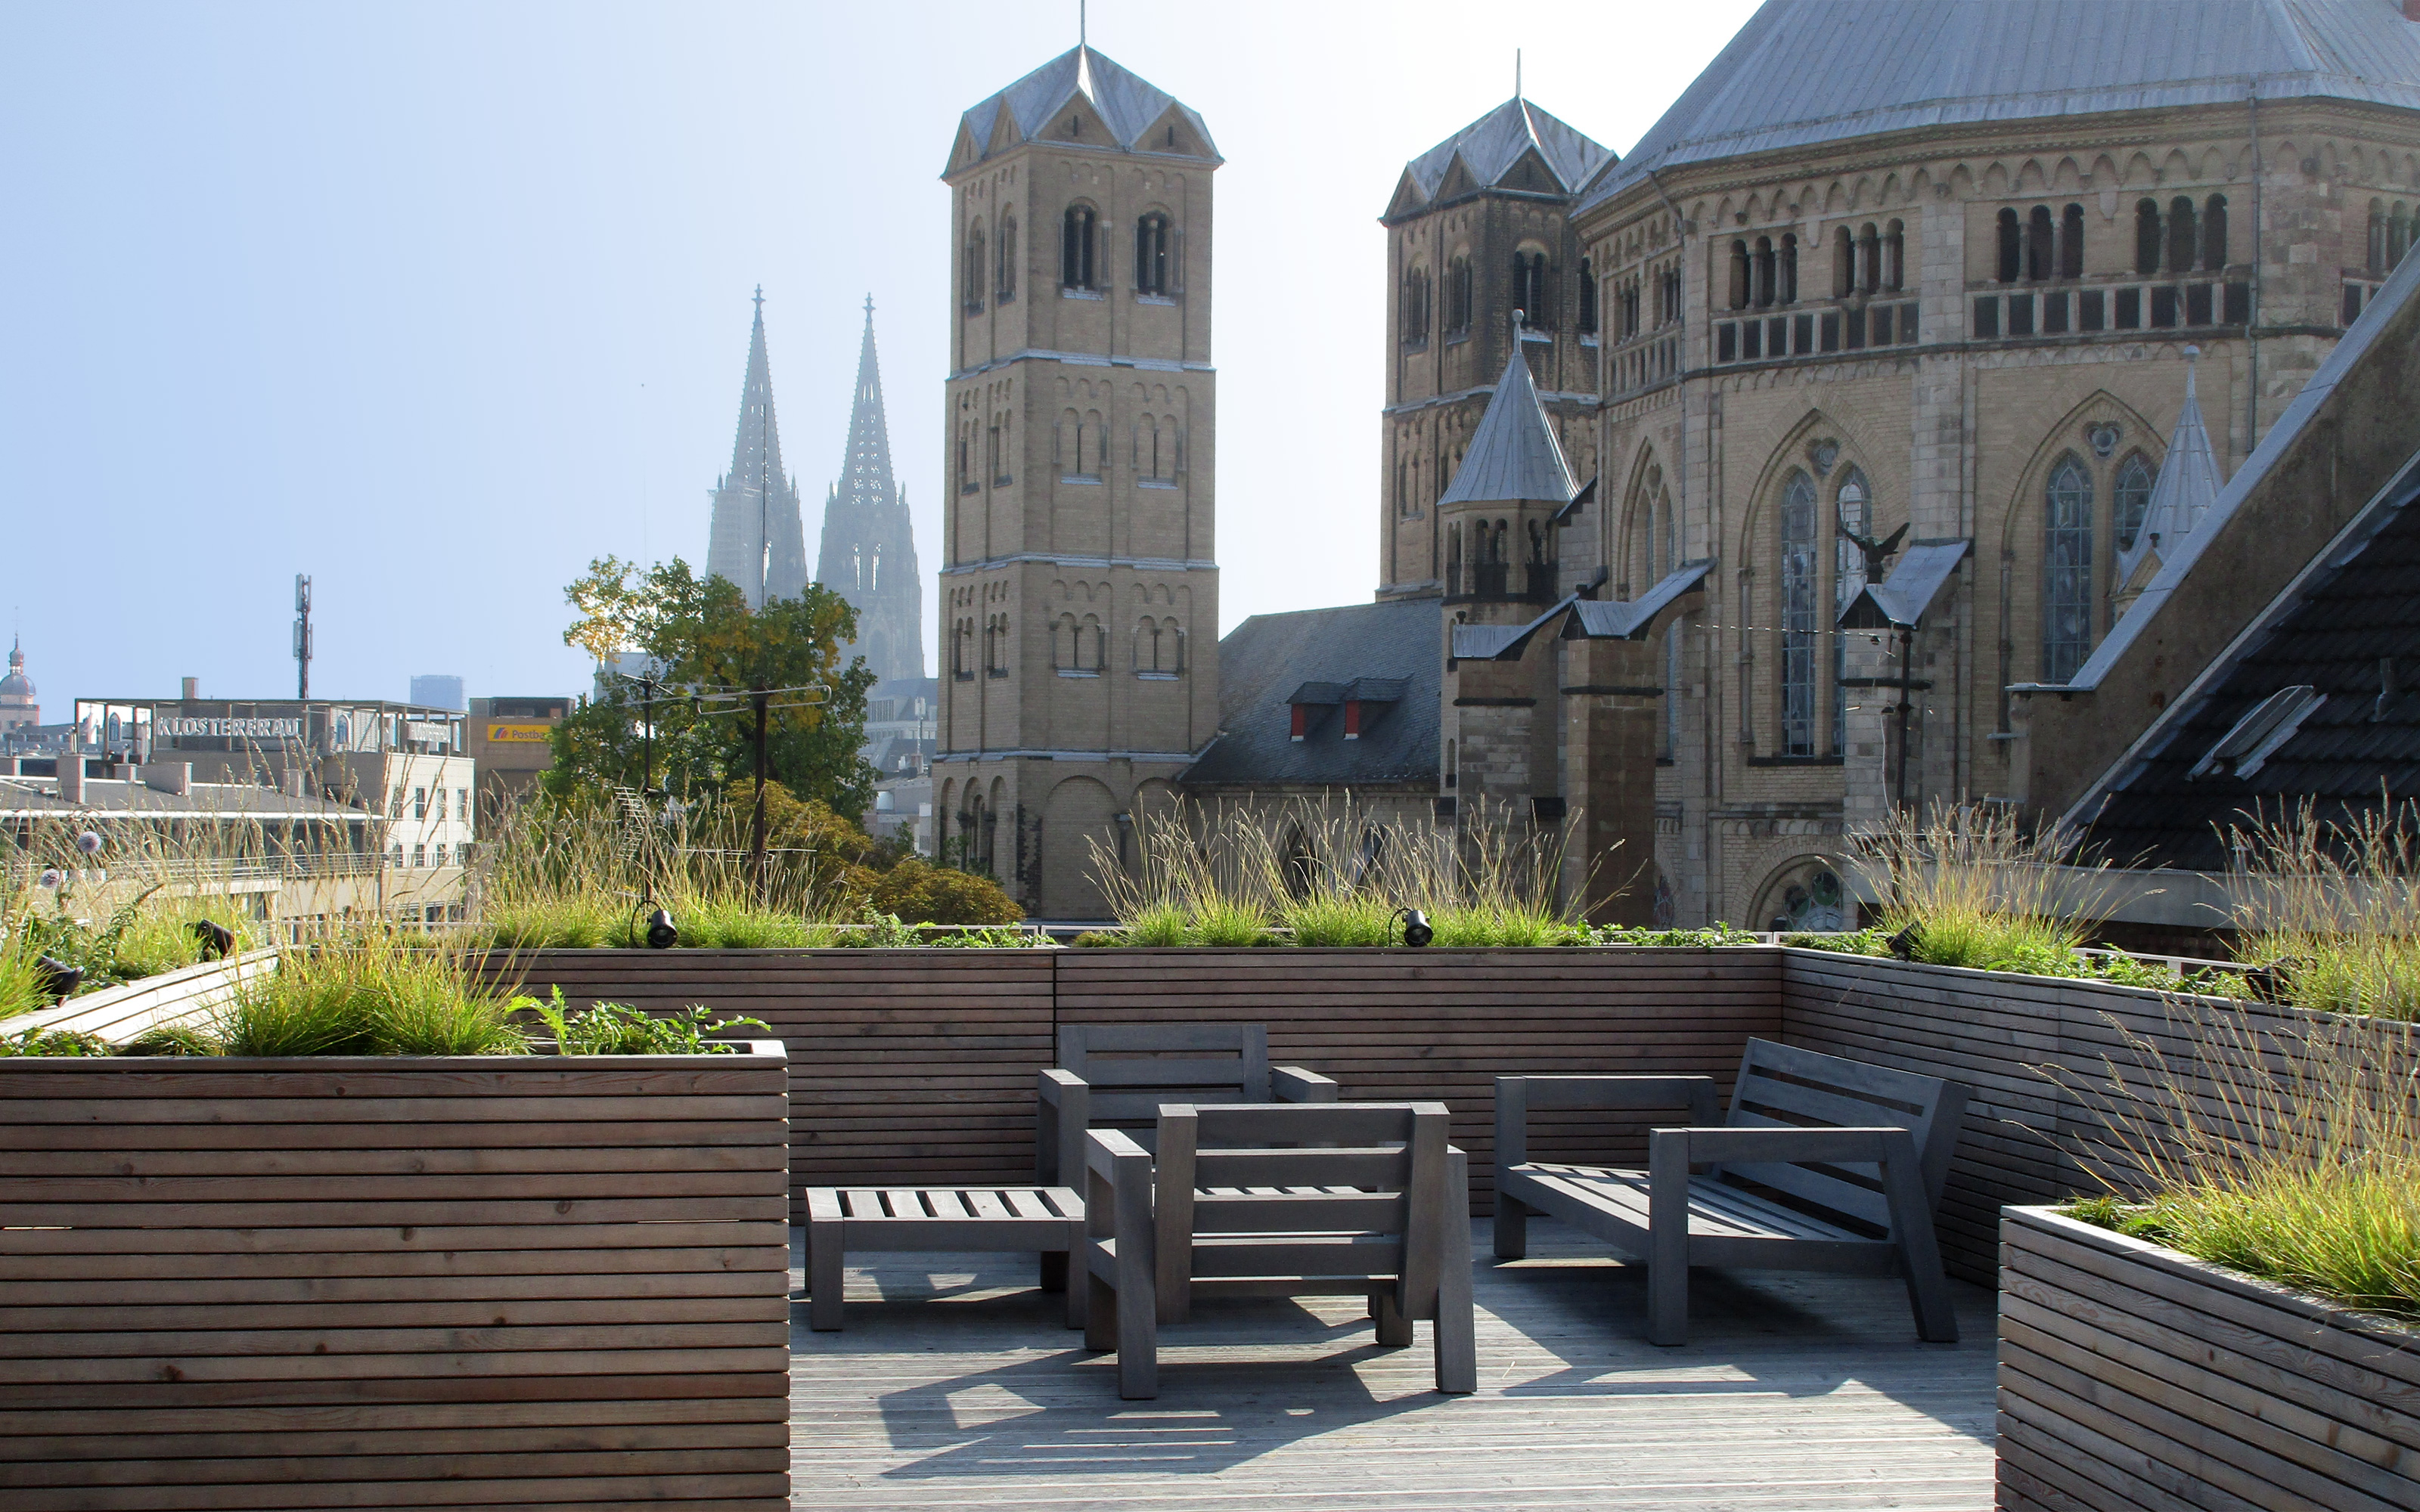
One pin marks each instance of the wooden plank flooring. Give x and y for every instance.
(955, 1385)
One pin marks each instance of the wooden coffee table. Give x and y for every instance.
(1042, 1219)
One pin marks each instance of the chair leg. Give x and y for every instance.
(1077, 1299)
(1100, 1312)
(1512, 1229)
(1138, 1321)
(1394, 1329)
(824, 1250)
(1054, 1271)
(1457, 1328)
(1668, 1304)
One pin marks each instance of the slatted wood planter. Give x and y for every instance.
(394, 1282)
(124, 1013)
(2132, 1377)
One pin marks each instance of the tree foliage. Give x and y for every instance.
(701, 638)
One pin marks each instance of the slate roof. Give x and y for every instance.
(1127, 103)
(2188, 485)
(1513, 453)
(1490, 146)
(2349, 630)
(1373, 651)
(1803, 73)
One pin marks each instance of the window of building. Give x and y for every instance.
(1870, 259)
(1453, 558)
(462, 853)
(2181, 234)
(1587, 298)
(1150, 255)
(1006, 288)
(420, 803)
(1529, 290)
(2130, 499)
(1739, 275)
(440, 805)
(1459, 295)
(1895, 257)
(2376, 261)
(1844, 263)
(1761, 274)
(1798, 616)
(2066, 570)
(1671, 283)
(2070, 243)
(397, 853)
(1076, 248)
(2037, 245)
(419, 856)
(2147, 235)
(1785, 271)
(1415, 305)
(1855, 509)
(2012, 247)
(462, 803)
(978, 266)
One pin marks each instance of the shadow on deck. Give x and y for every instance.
(955, 1385)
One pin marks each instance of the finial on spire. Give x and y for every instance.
(2193, 361)
(1517, 73)
(1082, 26)
(869, 307)
(760, 302)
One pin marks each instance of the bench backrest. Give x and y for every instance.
(1134, 1068)
(1374, 1171)
(1781, 1086)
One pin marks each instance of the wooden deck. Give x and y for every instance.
(955, 1385)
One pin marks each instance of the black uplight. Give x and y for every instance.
(59, 980)
(1416, 926)
(217, 940)
(662, 934)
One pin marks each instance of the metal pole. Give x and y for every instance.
(756, 858)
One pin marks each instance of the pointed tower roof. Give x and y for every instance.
(17, 685)
(2188, 485)
(1513, 453)
(756, 448)
(1128, 105)
(1493, 147)
(865, 476)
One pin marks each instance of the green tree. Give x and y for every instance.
(703, 639)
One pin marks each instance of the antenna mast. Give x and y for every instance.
(302, 636)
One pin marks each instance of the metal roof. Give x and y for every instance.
(1126, 104)
(25, 797)
(1624, 619)
(1900, 600)
(1383, 656)
(1807, 72)
(1513, 453)
(1490, 146)
(2188, 485)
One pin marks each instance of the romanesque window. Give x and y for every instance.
(1076, 248)
(1671, 283)
(2147, 235)
(1064, 643)
(1415, 314)
(965, 462)
(1739, 275)
(2213, 233)
(2399, 234)
(1529, 295)
(2180, 235)
(1159, 648)
(1798, 616)
(2130, 499)
(2378, 263)
(1006, 288)
(962, 649)
(1870, 259)
(1761, 274)
(1895, 257)
(1844, 263)
(1587, 298)
(2012, 241)
(1459, 295)
(1150, 255)
(2038, 245)
(2067, 569)
(996, 648)
(976, 267)
(2070, 243)
(1092, 650)
(1854, 508)
(1002, 476)
(1786, 271)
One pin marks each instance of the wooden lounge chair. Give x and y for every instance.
(1237, 1203)
(1824, 1165)
(1116, 1075)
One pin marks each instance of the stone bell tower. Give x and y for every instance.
(1078, 587)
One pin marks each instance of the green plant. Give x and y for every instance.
(54, 1042)
(1714, 934)
(1100, 939)
(378, 995)
(618, 1029)
(1868, 941)
(173, 1040)
(997, 937)
(1980, 889)
(2331, 907)
(922, 893)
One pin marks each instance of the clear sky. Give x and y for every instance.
(437, 302)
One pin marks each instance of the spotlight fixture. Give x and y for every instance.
(1416, 926)
(662, 934)
(217, 940)
(59, 980)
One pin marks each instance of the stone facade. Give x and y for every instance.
(1079, 585)
(755, 539)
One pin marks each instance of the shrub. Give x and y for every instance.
(54, 1042)
(2333, 908)
(1714, 934)
(380, 995)
(1869, 941)
(618, 1029)
(919, 892)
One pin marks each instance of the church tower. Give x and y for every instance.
(869, 549)
(1080, 594)
(756, 540)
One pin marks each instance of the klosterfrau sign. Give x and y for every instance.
(228, 728)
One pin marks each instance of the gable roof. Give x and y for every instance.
(1513, 453)
(1807, 72)
(1127, 104)
(1384, 654)
(1492, 147)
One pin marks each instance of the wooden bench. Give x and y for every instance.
(1238, 1201)
(1116, 1075)
(1823, 1165)
(1049, 1218)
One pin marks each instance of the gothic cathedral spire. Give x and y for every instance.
(869, 547)
(756, 540)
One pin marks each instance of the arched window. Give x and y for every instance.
(2147, 235)
(1454, 557)
(1761, 274)
(1787, 270)
(1587, 296)
(2070, 243)
(2011, 246)
(1076, 248)
(2213, 233)
(2377, 237)
(1150, 255)
(1798, 616)
(1006, 288)
(2131, 500)
(1895, 257)
(1415, 306)
(1459, 293)
(1870, 259)
(1844, 263)
(2180, 235)
(1092, 648)
(2066, 570)
(1739, 275)
(977, 267)
(1063, 643)
(2399, 234)
(2037, 248)
(1529, 290)
(1854, 508)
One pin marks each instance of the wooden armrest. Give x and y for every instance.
(1515, 1096)
(1105, 1147)
(1051, 1082)
(1292, 1084)
(1716, 1146)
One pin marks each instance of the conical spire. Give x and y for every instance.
(2188, 485)
(868, 554)
(757, 541)
(1513, 453)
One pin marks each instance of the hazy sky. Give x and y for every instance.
(435, 303)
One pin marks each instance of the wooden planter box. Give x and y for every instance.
(124, 1013)
(534, 1281)
(2132, 1377)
